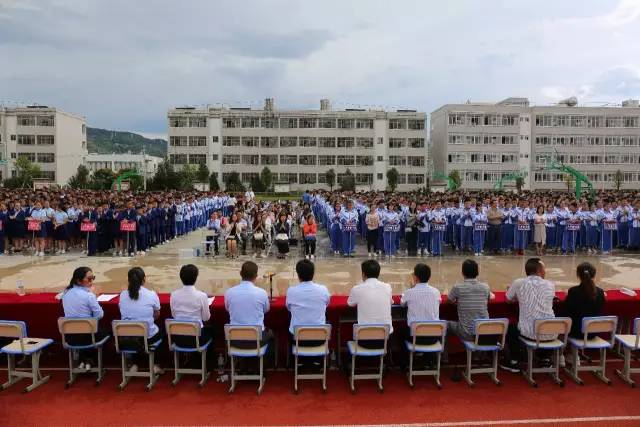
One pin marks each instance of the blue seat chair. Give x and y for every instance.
(484, 327)
(85, 326)
(190, 329)
(377, 332)
(139, 331)
(251, 333)
(423, 329)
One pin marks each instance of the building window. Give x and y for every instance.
(324, 160)
(249, 176)
(198, 122)
(364, 160)
(397, 124)
(178, 141)
(288, 123)
(30, 156)
(345, 123)
(595, 121)
(26, 140)
(269, 123)
(509, 120)
(415, 178)
(380, 177)
(308, 160)
(327, 123)
(231, 122)
(46, 158)
(214, 139)
(307, 123)
(286, 159)
(630, 122)
(397, 161)
(214, 157)
(288, 141)
(364, 124)
(345, 142)
(364, 142)
(455, 139)
(231, 159)
(178, 159)
(48, 175)
(364, 178)
(416, 142)
(196, 159)
(346, 161)
(415, 124)
(231, 141)
(26, 120)
(324, 142)
(322, 178)
(45, 139)
(380, 159)
(416, 161)
(251, 122)
(380, 140)
(197, 141)
(250, 159)
(291, 178)
(177, 122)
(269, 142)
(396, 142)
(250, 141)
(269, 159)
(308, 178)
(306, 141)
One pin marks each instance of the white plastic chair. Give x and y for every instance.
(23, 346)
(593, 325)
(421, 329)
(190, 329)
(629, 343)
(87, 326)
(311, 333)
(368, 332)
(553, 326)
(245, 333)
(485, 327)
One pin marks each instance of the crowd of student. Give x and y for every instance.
(477, 222)
(307, 302)
(125, 224)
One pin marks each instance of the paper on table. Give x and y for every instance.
(628, 291)
(106, 297)
(210, 300)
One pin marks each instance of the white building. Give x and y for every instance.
(300, 146)
(121, 161)
(485, 141)
(53, 139)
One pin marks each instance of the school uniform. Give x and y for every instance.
(571, 229)
(348, 227)
(608, 227)
(480, 226)
(438, 220)
(424, 233)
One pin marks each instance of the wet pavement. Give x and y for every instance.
(52, 273)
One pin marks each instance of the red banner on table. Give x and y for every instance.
(127, 226)
(88, 226)
(33, 225)
(1, 225)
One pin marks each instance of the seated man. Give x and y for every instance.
(189, 303)
(307, 301)
(247, 304)
(422, 302)
(373, 299)
(535, 301)
(471, 297)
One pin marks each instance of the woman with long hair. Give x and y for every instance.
(233, 235)
(282, 235)
(138, 303)
(259, 234)
(584, 300)
(540, 230)
(309, 231)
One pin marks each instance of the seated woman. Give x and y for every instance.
(259, 231)
(282, 235)
(233, 230)
(584, 300)
(138, 303)
(309, 231)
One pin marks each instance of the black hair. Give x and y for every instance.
(189, 274)
(78, 276)
(470, 269)
(249, 271)
(587, 272)
(370, 269)
(305, 270)
(532, 266)
(422, 272)
(136, 278)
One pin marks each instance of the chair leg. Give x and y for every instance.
(176, 368)
(36, 376)
(353, 372)
(203, 366)
(380, 372)
(625, 374)
(324, 373)
(233, 375)
(295, 374)
(573, 372)
(600, 373)
(152, 375)
(494, 374)
(11, 367)
(125, 378)
(556, 373)
(467, 372)
(261, 376)
(72, 376)
(529, 371)
(410, 373)
(100, 366)
(438, 383)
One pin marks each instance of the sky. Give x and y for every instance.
(123, 64)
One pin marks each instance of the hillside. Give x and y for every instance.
(105, 141)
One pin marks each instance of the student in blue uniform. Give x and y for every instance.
(480, 225)
(438, 219)
(349, 227)
(391, 226)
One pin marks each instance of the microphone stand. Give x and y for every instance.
(270, 275)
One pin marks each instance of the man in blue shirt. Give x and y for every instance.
(307, 302)
(247, 304)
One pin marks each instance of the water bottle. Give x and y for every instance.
(220, 364)
(20, 288)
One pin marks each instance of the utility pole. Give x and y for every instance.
(144, 167)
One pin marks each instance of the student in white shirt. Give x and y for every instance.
(373, 299)
(138, 303)
(189, 303)
(422, 301)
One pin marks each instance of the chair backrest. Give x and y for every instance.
(77, 325)
(491, 327)
(636, 330)
(560, 326)
(182, 327)
(600, 325)
(14, 329)
(129, 328)
(429, 328)
(243, 333)
(312, 333)
(371, 332)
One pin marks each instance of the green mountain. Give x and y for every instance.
(105, 141)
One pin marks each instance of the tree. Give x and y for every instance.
(519, 183)
(186, 177)
(456, 179)
(266, 178)
(233, 183)
(348, 181)
(257, 185)
(80, 179)
(203, 173)
(25, 172)
(213, 182)
(136, 182)
(102, 179)
(569, 180)
(618, 179)
(331, 178)
(392, 179)
(165, 178)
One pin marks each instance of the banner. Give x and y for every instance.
(480, 226)
(573, 226)
(88, 226)
(127, 226)
(524, 226)
(439, 226)
(33, 225)
(350, 226)
(610, 225)
(394, 228)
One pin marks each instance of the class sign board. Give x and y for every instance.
(33, 225)
(88, 226)
(127, 226)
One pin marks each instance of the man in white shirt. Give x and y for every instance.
(373, 299)
(307, 301)
(535, 297)
(189, 303)
(422, 302)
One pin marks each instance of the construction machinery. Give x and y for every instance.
(451, 184)
(499, 185)
(579, 177)
(117, 183)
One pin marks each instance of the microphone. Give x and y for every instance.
(268, 275)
